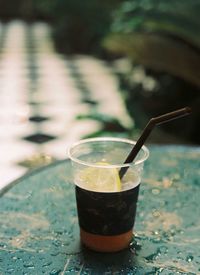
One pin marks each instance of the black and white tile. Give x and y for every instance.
(41, 93)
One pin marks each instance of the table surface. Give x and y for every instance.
(39, 228)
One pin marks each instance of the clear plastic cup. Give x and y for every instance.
(106, 204)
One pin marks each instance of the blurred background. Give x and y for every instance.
(71, 69)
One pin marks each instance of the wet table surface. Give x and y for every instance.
(39, 229)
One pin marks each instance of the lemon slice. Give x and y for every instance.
(100, 179)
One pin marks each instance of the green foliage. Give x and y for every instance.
(163, 38)
(176, 17)
(78, 25)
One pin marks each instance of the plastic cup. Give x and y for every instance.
(106, 205)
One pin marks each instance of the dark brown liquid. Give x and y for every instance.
(106, 219)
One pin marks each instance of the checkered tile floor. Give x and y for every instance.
(41, 93)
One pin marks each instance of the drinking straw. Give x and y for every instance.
(147, 130)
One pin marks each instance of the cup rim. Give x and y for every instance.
(125, 140)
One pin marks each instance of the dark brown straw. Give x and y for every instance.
(147, 130)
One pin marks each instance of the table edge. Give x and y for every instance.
(6, 188)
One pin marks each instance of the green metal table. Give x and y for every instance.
(39, 229)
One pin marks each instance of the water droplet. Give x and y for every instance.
(176, 177)
(189, 258)
(54, 253)
(86, 271)
(47, 264)
(153, 256)
(141, 214)
(40, 251)
(156, 213)
(56, 243)
(72, 270)
(135, 246)
(2, 245)
(29, 194)
(163, 249)
(58, 232)
(29, 265)
(10, 270)
(55, 272)
(155, 191)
